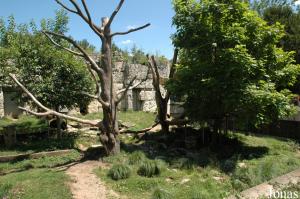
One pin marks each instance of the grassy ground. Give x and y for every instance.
(139, 119)
(24, 125)
(35, 184)
(204, 173)
(34, 179)
(43, 162)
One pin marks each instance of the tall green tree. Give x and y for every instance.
(261, 5)
(56, 78)
(290, 18)
(230, 65)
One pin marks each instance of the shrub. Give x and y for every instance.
(136, 157)
(119, 171)
(160, 194)
(229, 165)
(149, 169)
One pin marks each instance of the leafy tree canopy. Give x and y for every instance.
(261, 5)
(229, 64)
(55, 77)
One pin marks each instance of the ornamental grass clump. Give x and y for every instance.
(161, 194)
(149, 169)
(136, 157)
(119, 172)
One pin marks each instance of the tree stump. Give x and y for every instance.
(10, 137)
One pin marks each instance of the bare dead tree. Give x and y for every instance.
(162, 101)
(105, 94)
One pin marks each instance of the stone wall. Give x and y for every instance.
(142, 97)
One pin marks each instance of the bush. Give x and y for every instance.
(149, 169)
(119, 171)
(160, 194)
(228, 165)
(136, 157)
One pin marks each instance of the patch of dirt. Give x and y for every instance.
(85, 184)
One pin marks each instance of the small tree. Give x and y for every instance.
(106, 94)
(230, 65)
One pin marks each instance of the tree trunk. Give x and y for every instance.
(163, 114)
(110, 129)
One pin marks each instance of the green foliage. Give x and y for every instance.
(55, 77)
(4, 189)
(290, 18)
(136, 157)
(149, 169)
(119, 172)
(25, 124)
(244, 178)
(87, 46)
(161, 194)
(229, 62)
(261, 5)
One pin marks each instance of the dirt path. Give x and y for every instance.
(85, 184)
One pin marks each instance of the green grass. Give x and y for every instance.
(24, 125)
(43, 162)
(260, 159)
(33, 179)
(35, 184)
(139, 119)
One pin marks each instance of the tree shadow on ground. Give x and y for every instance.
(186, 148)
(42, 142)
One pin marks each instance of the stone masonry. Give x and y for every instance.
(140, 98)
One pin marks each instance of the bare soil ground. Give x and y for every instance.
(85, 184)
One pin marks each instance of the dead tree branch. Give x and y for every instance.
(172, 72)
(60, 46)
(130, 30)
(84, 54)
(126, 90)
(102, 102)
(113, 15)
(86, 17)
(47, 110)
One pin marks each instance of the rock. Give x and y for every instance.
(185, 180)
(242, 165)
(217, 178)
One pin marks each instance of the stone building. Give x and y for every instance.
(140, 98)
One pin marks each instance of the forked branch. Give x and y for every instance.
(86, 17)
(130, 86)
(124, 91)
